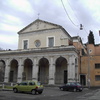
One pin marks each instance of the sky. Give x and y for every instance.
(17, 14)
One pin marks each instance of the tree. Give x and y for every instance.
(91, 38)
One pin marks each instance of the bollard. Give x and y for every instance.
(11, 84)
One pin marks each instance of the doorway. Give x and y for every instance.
(11, 76)
(43, 74)
(83, 79)
(61, 71)
(65, 76)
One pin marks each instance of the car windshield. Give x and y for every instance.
(78, 84)
(68, 84)
(38, 83)
(23, 83)
(72, 83)
(31, 83)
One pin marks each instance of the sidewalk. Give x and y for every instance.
(92, 95)
(4, 89)
(95, 95)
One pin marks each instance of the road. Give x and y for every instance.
(53, 93)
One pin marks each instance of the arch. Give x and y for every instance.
(2, 70)
(13, 71)
(43, 73)
(27, 73)
(61, 71)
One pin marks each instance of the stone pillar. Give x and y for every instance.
(20, 70)
(76, 73)
(52, 71)
(7, 71)
(35, 70)
(71, 69)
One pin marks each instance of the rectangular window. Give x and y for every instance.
(25, 44)
(97, 66)
(97, 77)
(83, 52)
(50, 41)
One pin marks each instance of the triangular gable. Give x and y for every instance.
(38, 25)
(42, 25)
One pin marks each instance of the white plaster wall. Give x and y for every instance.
(60, 38)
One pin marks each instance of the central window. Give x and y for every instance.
(25, 44)
(50, 41)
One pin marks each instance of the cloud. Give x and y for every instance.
(9, 28)
(21, 5)
(94, 6)
(86, 12)
(8, 41)
(10, 23)
(16, 14)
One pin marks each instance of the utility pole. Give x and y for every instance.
(88, 65)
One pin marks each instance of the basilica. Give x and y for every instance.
(47, 53)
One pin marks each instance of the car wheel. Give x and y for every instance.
(74, 89)
(80, 90)
(15, 90)
(33, 92)
(40, 92)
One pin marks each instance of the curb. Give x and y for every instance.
(6, 89)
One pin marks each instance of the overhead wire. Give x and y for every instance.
(73, 11)
(81, 25)
(68, 14)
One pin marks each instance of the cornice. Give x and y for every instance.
(39, 50)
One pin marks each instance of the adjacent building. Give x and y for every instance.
(90, 66)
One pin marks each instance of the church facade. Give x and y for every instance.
(45, 53)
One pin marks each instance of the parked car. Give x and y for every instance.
(28, 86)
(71, 86)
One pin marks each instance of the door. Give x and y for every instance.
(23, 86)
(11, 76)
(83, 79)
(65, 76)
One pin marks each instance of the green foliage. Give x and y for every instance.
(91, 38)
(6, 87)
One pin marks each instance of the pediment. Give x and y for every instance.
(38, 25)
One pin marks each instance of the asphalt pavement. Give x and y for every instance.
(52, 93)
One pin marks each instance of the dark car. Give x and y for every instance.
(71, 86)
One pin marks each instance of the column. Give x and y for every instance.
(76, 70)
(20, 70)
(35, 70)
(7, 71)
(52, 71)
(71, 69)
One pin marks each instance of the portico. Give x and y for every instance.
(50, 66)
(45, 53)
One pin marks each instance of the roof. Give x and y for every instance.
(77, 38)
(38, 20)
